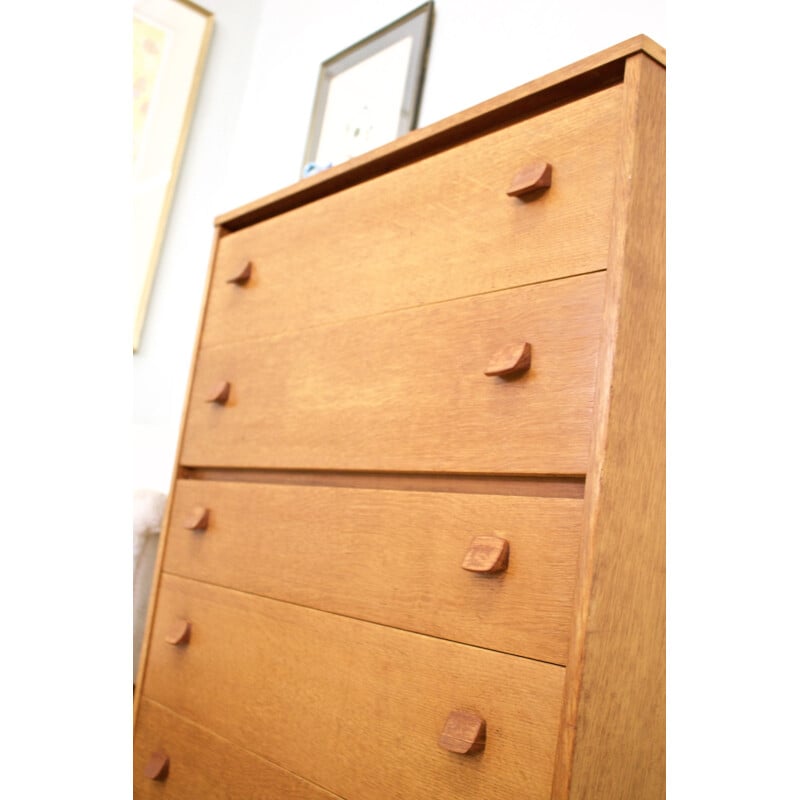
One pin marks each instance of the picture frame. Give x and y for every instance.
(170, 44)
(369, 94)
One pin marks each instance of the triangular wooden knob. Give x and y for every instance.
(464, 732)
(157, 767)
(486, 554)
(197, 519)
(220, 393)
(513, 359)
(243, 275)
(179, 632)
(535, 175)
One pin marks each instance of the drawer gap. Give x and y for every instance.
(568, 486)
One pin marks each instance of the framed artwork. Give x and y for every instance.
(369, 94)
(170, 41)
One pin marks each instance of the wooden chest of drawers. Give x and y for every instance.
(415, 538)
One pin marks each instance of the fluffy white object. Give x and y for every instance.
(148, 513)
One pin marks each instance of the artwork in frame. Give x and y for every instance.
(369, 94)
(170, 42)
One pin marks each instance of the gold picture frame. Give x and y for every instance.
(369, 94)
(170, 43)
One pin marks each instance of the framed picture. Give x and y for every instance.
(369, 94)
(170, 41)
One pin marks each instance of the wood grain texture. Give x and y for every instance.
(436, 230)
(383, 393)
(354, 707)
(612, 743)
(371, 391)
(391, 557)
(204, 766)
(566, 85)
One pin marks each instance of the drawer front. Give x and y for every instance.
(353, 707)
(435, 230)
(407, 391)
(390, 557)
(203, 765)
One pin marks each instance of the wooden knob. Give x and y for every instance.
(157, 767)
(179, 632)
(197, 519)
(243, 274)
(530, 178)
(486, 554)
(464, 732)
(220, 394)
(513, 359)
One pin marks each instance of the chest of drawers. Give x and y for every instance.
(415, 538)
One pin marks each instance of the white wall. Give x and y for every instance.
(251, 123)
(161, 365)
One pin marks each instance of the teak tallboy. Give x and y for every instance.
(415, 540)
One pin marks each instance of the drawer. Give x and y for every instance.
(438, 229)
(203, 765)
(390, 557)
(353, 707)
(407, 391)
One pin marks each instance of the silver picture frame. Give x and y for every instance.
(369, 94)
